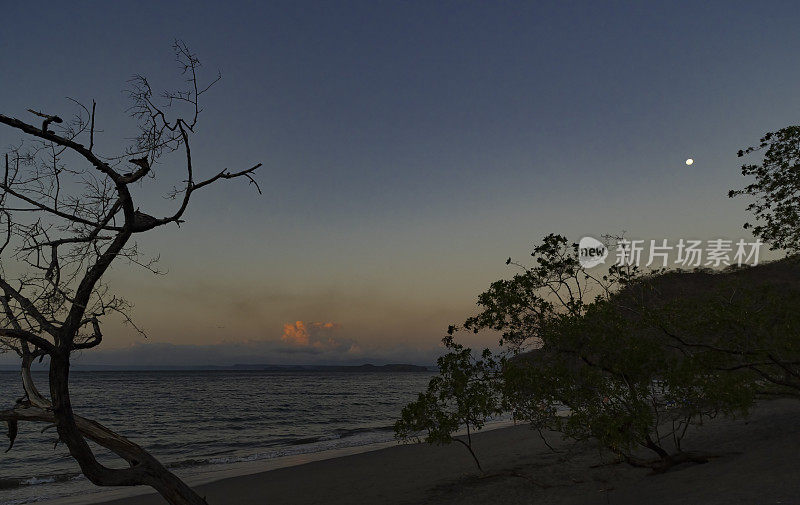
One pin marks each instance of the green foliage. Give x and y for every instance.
(776, 189)
(599, 358)
(522, 307)
(623, 386)
(464, 394)
(753, 330)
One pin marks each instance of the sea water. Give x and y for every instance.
(192, 420)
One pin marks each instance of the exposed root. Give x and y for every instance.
(661, 465)
(512, 473)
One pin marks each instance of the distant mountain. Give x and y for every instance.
(393, 368)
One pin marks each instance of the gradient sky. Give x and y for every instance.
(408, 149)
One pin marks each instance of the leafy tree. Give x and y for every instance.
(622, 385)
(68, 212)
(467, 391)
(776, 188)
(521, 308)
(743, 322)
(580, 356)
(463, 396)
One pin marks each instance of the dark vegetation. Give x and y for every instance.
(67, 212)
(631, 360)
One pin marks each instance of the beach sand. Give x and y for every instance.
(759, 464)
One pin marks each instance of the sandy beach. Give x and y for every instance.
(757, 464)
(251, 252)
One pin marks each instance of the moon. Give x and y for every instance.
(689, 161)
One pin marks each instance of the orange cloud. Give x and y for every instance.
(296, 333)
(316, 334)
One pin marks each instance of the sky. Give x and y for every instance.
(408, 149)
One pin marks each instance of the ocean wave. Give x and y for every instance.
(340, 439)
(358, 431)
(296, 414)
(14, 483)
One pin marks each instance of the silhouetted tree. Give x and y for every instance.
(463, 395)
(776, 189)
(742, 321)
(66, 214)
(578, 355)
(775, 205)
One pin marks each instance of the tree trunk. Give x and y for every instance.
(469, 448)
(73, 430)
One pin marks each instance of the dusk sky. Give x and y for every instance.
(409, 148)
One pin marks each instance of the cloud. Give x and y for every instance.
(300, 343)
(316, 334)
(158, 354)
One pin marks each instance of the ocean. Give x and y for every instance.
(194, 420)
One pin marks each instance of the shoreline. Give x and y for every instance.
(213, 473)
(757, 462)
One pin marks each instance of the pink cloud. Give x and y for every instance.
(318, 335)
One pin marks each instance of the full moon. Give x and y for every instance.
(689, 161)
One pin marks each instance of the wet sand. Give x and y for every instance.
(759, 463)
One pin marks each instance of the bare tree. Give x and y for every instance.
(67, 213)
